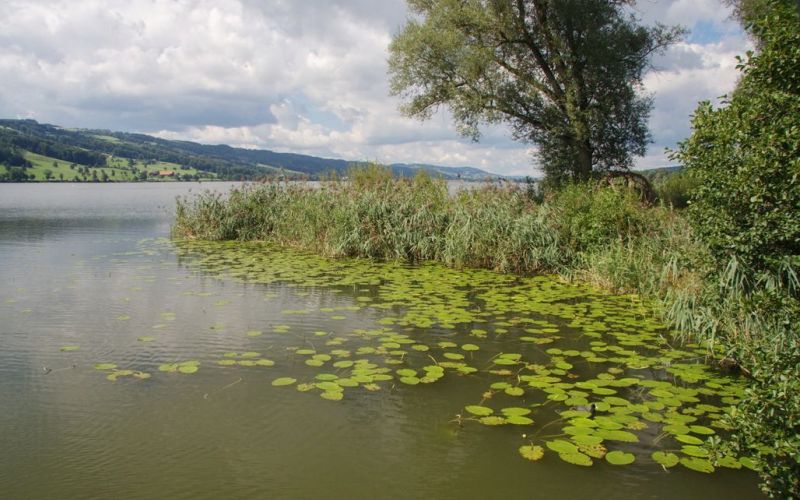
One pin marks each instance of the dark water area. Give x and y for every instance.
(136, 367)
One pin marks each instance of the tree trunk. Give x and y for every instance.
(584, 168)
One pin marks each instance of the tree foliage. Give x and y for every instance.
(744, 155)
(564, 74)
(745, 158)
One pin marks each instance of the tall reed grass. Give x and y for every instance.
(604, 235)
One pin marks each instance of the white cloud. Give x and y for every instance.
(307, 77)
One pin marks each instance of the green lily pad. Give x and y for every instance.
(283, 381)
(480, 411)
(685, 438)
(513, 410)
(531, 452)
(329, 387)
(576, 458)
(616, 435)
(618, 457)
(593, 450)
(561, 446)
(146, 338)
(188, 369)
(332, 395)
(105, 366)
(586, 439)
(69, 348)
(665, 458)
(697, 464)
(519, 420)
(695, 451)
(515, 391)
(493, 420)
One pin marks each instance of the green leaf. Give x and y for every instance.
(618, 457)
(561, 446)
(493, 420)
(665, 458)
(480, 411)
(532, 453)
(697, 464)
(576, 458)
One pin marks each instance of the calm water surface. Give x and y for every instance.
(88, 266)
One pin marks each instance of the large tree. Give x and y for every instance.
(566, 75)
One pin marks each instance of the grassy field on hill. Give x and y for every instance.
(118, 170)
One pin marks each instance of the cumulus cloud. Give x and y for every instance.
(307, 77)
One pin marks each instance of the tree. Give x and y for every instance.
(566, 75)
(48, 174)
(746, 209)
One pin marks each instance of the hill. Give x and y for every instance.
(36, 151)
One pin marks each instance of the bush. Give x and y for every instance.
(744, 158)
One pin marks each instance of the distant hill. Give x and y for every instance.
(45, 151)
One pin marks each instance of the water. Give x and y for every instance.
(88, 266)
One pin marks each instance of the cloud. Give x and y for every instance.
(306, 77)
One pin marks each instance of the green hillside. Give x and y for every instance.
(29, 150)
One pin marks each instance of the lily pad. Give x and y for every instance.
(513, 410)
(493, 420)
(481, 411)
(561, 446)
(685, 438)
(531, 452)
(618, 457)
(283, 381)
(697, 464)
(576, 458)
(665, 458)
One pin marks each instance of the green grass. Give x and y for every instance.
(107, 138)
(117, 169)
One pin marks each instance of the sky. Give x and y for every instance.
(305, 76)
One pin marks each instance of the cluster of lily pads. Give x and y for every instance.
(587, 376)
(113, 373)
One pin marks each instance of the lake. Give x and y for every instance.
(136, 367)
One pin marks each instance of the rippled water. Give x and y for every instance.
(88, 266)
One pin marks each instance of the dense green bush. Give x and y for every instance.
(745, 158)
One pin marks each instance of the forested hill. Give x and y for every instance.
(49, 152)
